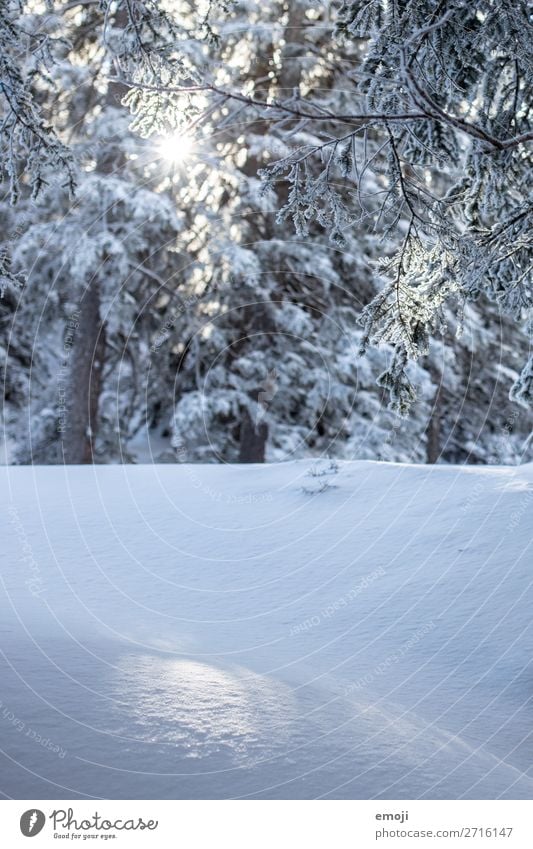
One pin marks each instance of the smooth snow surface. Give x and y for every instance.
(213, 632)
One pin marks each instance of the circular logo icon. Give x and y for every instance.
(32, 822)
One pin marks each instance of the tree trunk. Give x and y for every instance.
(83, 393)
(88, 351)
(433, 429)
(252, 441)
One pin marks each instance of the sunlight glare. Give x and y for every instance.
(176, 148)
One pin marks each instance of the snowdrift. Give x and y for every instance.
(215, 632)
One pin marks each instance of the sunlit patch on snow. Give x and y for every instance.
(204, 709)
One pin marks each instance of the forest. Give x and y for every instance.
(248, 232)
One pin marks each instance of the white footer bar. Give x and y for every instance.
(268, 824)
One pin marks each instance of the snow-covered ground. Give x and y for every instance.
(212, 631)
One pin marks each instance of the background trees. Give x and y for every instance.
(297, 184)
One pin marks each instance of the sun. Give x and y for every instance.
(176, 148)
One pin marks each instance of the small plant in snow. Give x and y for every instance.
(322, 474)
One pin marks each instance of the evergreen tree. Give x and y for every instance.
(438, 86)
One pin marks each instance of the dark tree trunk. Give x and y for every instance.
(253, 437)
(83, 393)
(88, 350)
(433, 429)
(433, 438)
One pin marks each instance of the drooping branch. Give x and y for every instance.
(428, 111)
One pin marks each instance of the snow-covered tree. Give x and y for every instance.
(438, 86)
(91, 265)
(356, 151)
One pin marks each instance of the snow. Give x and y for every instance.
(180, 631)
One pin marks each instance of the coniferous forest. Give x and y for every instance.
(239, 232)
